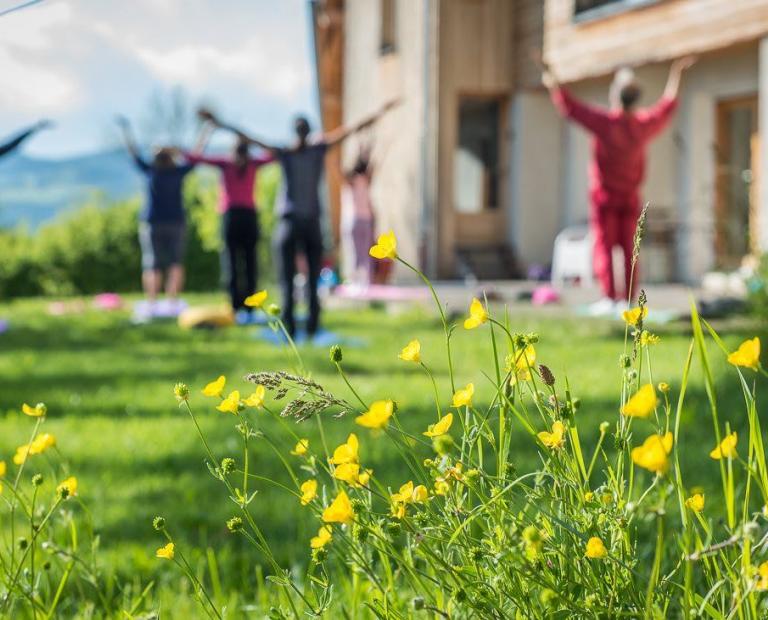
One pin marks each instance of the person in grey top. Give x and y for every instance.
(300, 213)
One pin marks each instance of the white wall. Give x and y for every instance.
(534, 215)
(371, 79)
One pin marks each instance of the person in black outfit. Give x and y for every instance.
(300, 226)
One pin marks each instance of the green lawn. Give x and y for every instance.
(108, 386)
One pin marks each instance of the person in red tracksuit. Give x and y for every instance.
(620, 137)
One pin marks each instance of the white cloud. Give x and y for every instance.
(80, 61)
(200, 66)
(30, 78)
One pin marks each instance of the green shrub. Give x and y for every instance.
(95, 248)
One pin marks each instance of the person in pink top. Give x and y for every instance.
(357, 217)
(620, 137)
(240, 221)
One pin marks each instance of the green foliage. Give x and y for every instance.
(108, 387)
(758, 290)
(95, 247)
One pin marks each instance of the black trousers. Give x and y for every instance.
(239, 267)
(296, 235)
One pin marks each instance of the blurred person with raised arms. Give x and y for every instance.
(300, 212)
(620, 138)
(239, 212)
(162, 225)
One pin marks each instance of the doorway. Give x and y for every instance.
(736, 181)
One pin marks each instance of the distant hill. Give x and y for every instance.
(35, 190)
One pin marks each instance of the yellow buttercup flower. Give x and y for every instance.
(647, 338)
(642, 403)
(399, 510)
(411, 352)
(3, 468)
(301, 447)
(308, 491)
(652, 455)
(70, 484)
(40, 444)
(257, 398)
(442, 487)
(351, 474)
(22, 452)
(520, 365)
(408, 494)
(727, 447)
(340, 510)
(463, 397)
(377, 416)
(323, 537)
(215, 388)
(256, 300)
(346, 452)
(347, 472)
(405, 493)
(747, 355)
(762, 577)
(441, 427)
(477, 315)
(633, 315)
(595, 549)
(555, 439)
(386, 246)
(231, 404)
(37, 411)
(166, 553)
(695, 502)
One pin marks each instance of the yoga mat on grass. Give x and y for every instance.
(323, 338)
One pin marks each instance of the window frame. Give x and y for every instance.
(614, 7)
(387, 27)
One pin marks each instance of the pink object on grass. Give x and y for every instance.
(544, 295)
(107, 301)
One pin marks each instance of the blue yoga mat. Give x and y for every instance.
(322, 339)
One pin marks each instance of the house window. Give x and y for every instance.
(476, 158)
(388, 26)
(594, 9)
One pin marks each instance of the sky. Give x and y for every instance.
(81, 62)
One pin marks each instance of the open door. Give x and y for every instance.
(479, 187)
(736, 182)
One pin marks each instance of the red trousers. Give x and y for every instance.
(613, 221)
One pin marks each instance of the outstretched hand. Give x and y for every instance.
(207, 116)
(684, 63)
(122, 121)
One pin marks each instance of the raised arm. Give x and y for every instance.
(207, 115)
(675, 74)
(128, 139)
(203, 136)
(335, 136)
(590, 117)
(15, 142)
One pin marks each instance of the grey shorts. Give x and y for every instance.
(162, 244)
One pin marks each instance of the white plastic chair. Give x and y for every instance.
(572, 257)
